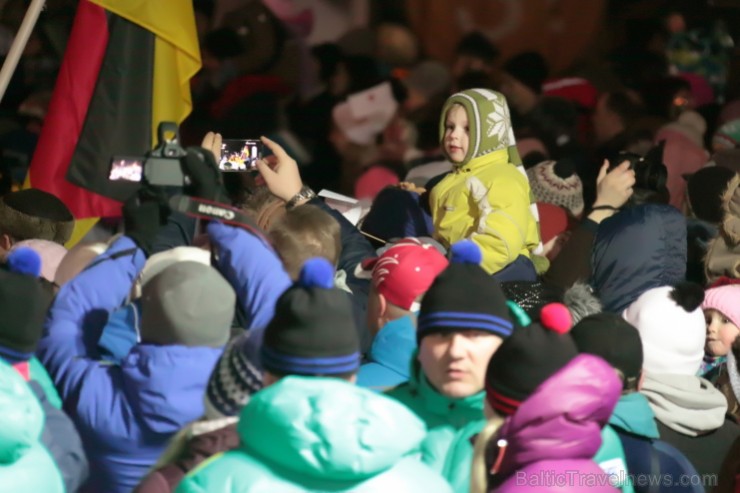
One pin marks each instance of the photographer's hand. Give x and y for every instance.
(144, 214)
(205, 178)
(284, 180)
(613, 190)
(212, 142)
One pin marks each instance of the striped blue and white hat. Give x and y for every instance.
(313, 331)
(464, 297)
(236, 376)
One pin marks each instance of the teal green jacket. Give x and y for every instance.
(452, 423)
(25, 465)
(320, 434)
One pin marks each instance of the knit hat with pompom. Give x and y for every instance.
(529, 357)
(672, 328)
(556, 182)
(313, 330)
(464, 297)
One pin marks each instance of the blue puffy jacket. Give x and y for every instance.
(640, 248)
(125, 413)
(121, 333)
(254, 271)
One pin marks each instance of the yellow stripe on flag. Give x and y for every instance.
(82, 226)
(176, 52)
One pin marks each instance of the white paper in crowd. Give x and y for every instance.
(352, 209)
(355, 214)
(373, 102)
(328, 194)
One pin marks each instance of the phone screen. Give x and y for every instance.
(126, 169)
(240, 154)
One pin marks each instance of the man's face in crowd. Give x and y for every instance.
(455, 362)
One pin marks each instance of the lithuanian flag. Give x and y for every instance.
(127, 67)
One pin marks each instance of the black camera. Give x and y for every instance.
(650, 172)
(159, 167)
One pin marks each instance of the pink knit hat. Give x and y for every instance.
(373, 180)
(726, 300)
(683, 154)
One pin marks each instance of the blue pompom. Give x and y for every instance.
(466, 252)
(316, 273)
(24, 260)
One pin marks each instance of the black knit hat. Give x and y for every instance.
(614, 339)
(313, 330)
(23, 307)
(464, 297)
(529, 357)
(529, 68)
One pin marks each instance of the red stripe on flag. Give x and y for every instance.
(64, 121)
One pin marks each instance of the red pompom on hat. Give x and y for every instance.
(556, 317)
(528, 357)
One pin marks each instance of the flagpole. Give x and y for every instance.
(19, 44)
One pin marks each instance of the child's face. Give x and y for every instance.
(456, 133)
(720, 333)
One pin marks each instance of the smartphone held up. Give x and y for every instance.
(240, 155)
(126, 169)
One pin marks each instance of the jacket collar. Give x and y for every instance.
(633, 414)
(492, 158)
(394, 345)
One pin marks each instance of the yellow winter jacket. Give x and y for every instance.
(486, 200)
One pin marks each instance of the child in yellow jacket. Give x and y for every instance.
(486, 198)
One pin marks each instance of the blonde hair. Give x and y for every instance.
(479, 468)
(305, 232)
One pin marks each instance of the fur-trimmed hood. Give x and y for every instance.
(723, 254)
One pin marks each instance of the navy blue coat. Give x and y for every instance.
(636, 250)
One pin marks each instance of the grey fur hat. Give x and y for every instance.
(581, 301)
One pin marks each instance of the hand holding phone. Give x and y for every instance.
(240, 155)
